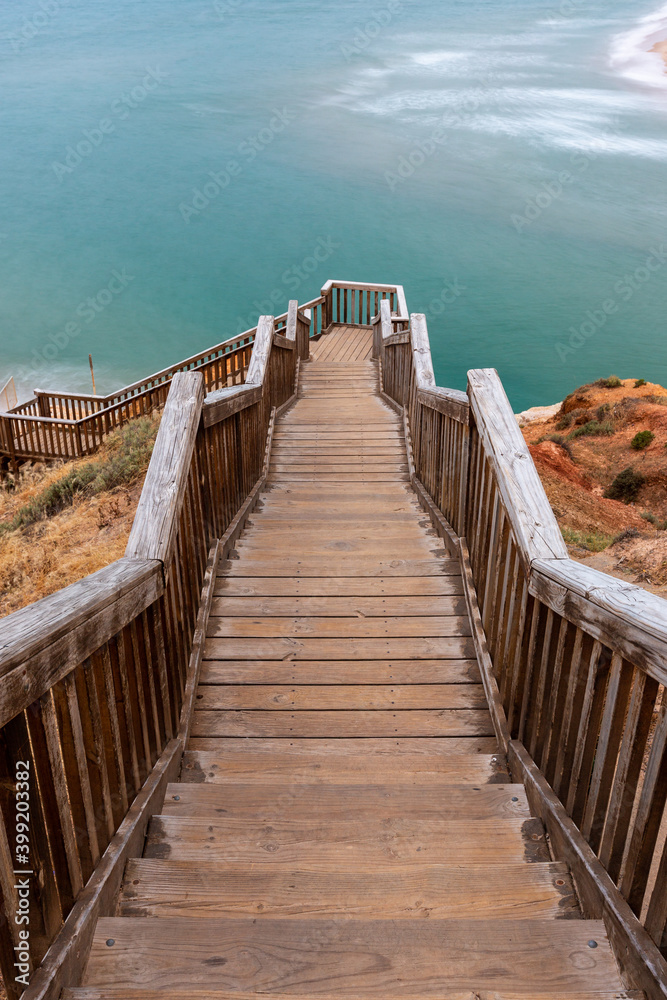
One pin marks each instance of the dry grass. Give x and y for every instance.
(88, 534)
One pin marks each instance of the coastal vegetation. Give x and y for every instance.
(612, 511)
(60, 522)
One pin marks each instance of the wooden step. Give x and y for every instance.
(306, 648)
(312, 535)
(402, 957)
(296, 564)
(178, 889)
(327, 547)
(446, 722)
(337, 762)
(338, 628)
(355, 672)
(354, 586)
(296, 608)
(455, 745)
(330, 803)
(347, 697)
(132, 993)
(354, 844)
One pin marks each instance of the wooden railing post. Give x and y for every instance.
(43, 407)
(153, 534)
(297, 330)
(327, 294)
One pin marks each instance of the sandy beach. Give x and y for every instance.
(661, 49)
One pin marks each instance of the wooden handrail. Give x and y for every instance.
(41, 643)
(153, 534)
(618, 614)
(535, 527)
(226, 346)
(98, 680)
(86, 419)
(575, 659)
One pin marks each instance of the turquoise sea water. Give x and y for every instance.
(505, 161)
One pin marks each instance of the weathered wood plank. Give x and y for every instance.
(344, 762)
(330, 587)
(534, 525)
(623, 616)
(336, 607)
(403, 956)
(640, 960)
(330, 803)
(352, 628)
(358, 672)
(153, 534)
(130, 993)
(449, 745)
(303, 648)
(42, 643)
(421, 352)
(341, 697)
(66, 958)
(364, 845)
(489, 679)
(224, 403)
(447, 722)
(449, 402)
(338, 565)
(520, 892)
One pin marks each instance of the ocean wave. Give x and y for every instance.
(631, 55)
(575, 119)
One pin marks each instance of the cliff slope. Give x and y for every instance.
(602, 456)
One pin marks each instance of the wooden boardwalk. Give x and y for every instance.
(344, 824)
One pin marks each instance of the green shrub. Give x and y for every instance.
(561, 442)
(641, 440)
(128, 452)
(613, 382)
(651, 518)
(625, 486)
(640, 382)
(565, 421)
(592, 541)
(593, 429)
(602, 411)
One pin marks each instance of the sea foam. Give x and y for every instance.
(631, 55)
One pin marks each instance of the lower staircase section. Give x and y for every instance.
(345, 824)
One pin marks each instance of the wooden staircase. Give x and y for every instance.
(345, 824)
